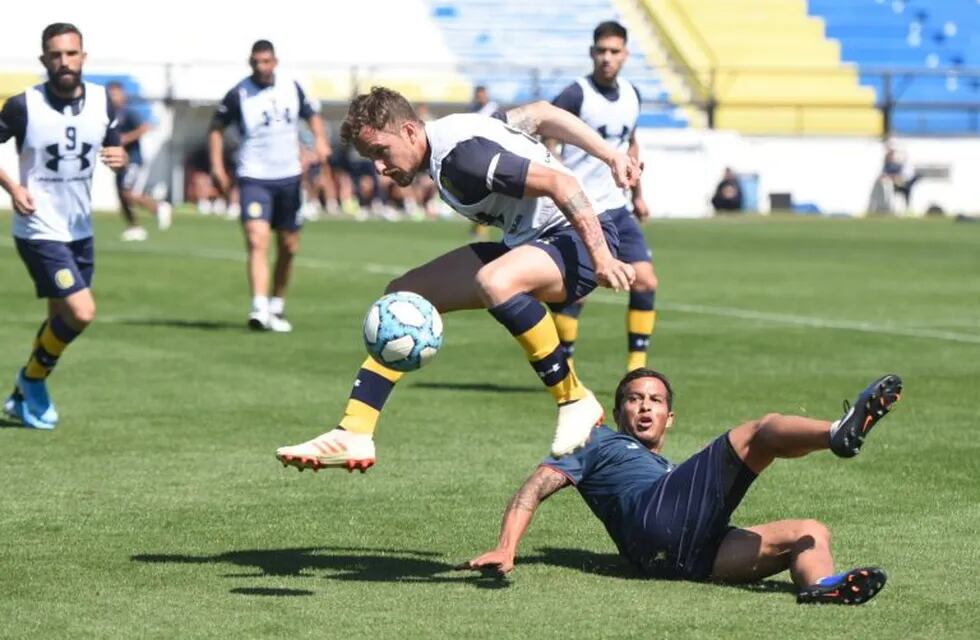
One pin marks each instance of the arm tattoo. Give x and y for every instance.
(538, 487)
(587, 225)
(575, 204)
(522, 119)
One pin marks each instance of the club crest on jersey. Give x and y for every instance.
(57, 158)
(64, 278)
(254, 209)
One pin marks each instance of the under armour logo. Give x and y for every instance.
(632, 445)
(57, 157)
(555, 368)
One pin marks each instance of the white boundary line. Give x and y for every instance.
(598, 297)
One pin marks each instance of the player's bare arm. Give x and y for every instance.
(545, 119)
(128, 138)
(517, 517)
(640, 209)
(20, 197)
(566, 192)
(322, 147)
(216, 144)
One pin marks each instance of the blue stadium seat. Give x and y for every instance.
(929, 46)
(523, 51)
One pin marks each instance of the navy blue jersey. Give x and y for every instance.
(129, 119)
(614, 473)
(668, 521)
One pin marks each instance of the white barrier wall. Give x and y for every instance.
(683, 168)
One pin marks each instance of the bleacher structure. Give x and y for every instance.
(915, 54)
(863, 67)
(523, 51)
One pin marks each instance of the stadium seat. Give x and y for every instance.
(926, 44)
(769, 66)
(523, 51)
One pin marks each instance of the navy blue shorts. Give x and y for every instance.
(632, 245)
(688, 512)
(58, 269)
(278, 202)
(566, 248)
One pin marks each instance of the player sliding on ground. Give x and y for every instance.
(673, 522)
(555, 248)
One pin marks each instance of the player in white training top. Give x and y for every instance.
(555, 247)
(267, 109)
(62, 128)
(611, 105)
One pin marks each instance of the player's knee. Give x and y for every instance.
(80, 316)
(644, 283)
(816, 531)
(763, 423)
(494, 284)
(289, 247)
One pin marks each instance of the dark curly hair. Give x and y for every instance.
(377, 109)
(635, 375)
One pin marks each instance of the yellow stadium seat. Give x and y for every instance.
(768, 65)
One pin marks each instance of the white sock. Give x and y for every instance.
(260, 304)
(277, 305)
(833, 427)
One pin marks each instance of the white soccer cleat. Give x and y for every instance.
(335, 448)
(134, 234)
(165, 215)
(575, 423)
(259, 321)
(279, 324)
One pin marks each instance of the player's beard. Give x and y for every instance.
(65, 81)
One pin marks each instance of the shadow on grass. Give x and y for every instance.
(614, 566)
(177, 323)
(265, 591)
(356, 564)
(600, 564)
(487, 387)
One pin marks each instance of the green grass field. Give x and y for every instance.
(156, 509)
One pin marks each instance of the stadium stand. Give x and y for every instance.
(13, 83)
(915, 53)
(768, 65)
(523, 51)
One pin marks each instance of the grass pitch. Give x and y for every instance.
(156, 509)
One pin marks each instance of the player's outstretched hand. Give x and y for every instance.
(221, 181)
(323, 151)
(626, 170)
(113, 157)
(640, 210)
(494, 562)
(22, 200)
(615, 275)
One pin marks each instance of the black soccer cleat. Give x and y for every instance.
(870, 407)
(856, 586)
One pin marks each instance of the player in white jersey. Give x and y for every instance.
(61, 128)
(267, 109)
(555, 248)
(611, 105)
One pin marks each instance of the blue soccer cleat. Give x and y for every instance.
(16, 408)
(848, 434)
(856, 586)
(34, 394)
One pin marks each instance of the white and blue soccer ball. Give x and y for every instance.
(402, 331)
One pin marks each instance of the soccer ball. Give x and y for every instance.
(402, 331)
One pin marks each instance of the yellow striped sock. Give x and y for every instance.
(370, 392)
(546, 355)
